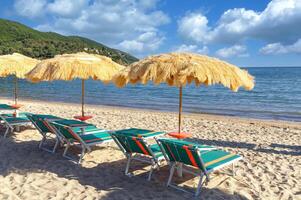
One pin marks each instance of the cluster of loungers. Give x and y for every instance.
(180, 155)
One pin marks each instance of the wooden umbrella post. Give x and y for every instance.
(16, 90)
(180, 108)
(82, 117)
(83, 97)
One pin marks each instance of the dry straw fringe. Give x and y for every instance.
(179, 69)
(16, 64)
(71, 66)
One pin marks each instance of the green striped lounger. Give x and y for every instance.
(135, 147)
(13, 122)
(202, 158)
(77, 132)
(41, 123)
(133, 143)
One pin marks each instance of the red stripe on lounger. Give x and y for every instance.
(75, 136)
(49, 127)
(140, 146)
(190, 156)
(173, 156)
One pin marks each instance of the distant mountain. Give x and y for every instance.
(16, 37)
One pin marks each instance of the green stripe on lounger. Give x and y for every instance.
(73, 123)
(96, 137)
(156, 150)
(86, 129)
(133, 131)
(47, 117)
(21, 115)
(6, 107)
(16, 119)
(183, 142)
(139, 132)
(216, 158)
(150, 134)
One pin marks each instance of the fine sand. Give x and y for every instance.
(271, 168)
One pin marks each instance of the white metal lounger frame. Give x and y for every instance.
(10, 126)
(153, 161)
(203, 174)
(44, 135)
(85, 147)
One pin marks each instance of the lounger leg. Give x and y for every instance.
(82, 155)
(56, 144)
(6, 131)
(172, 170)
(180, 170)
(66, 149)
(153, 167)
(200, 184)
(42, 141)
(128, 165)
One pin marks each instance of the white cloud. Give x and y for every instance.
(147, 4)
(30, 8)
(148, 41)
(194, 27)
(278, 22)
(130, 25)
(278, 48)
(236, 50)
(67, 8)
(192, 48)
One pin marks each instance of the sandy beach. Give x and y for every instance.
(271, 168)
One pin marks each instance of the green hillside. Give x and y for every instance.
(16, 37)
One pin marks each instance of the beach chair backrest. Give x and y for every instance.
(6, 107)
(65, 131)
(178, 151)
(40, 123)
(132, 144)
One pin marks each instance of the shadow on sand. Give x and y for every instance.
(24, 157)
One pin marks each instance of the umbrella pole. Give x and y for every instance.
(83, 96)
(16, 90)
(180, 108)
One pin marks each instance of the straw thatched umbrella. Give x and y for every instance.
(179, 69)
(71, 66)
(18, 65)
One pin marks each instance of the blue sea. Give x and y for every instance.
(277, 95)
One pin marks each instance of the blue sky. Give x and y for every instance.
(243, 32)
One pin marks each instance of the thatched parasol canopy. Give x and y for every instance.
(178, 69)
(16, 64)
(71, 66)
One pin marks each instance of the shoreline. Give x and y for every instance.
(204, 116)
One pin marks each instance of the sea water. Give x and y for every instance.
(277, 95)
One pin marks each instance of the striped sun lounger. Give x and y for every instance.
(202, 158)
(76, 132)
(136, 148)
(10, 123)
(41, 123)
